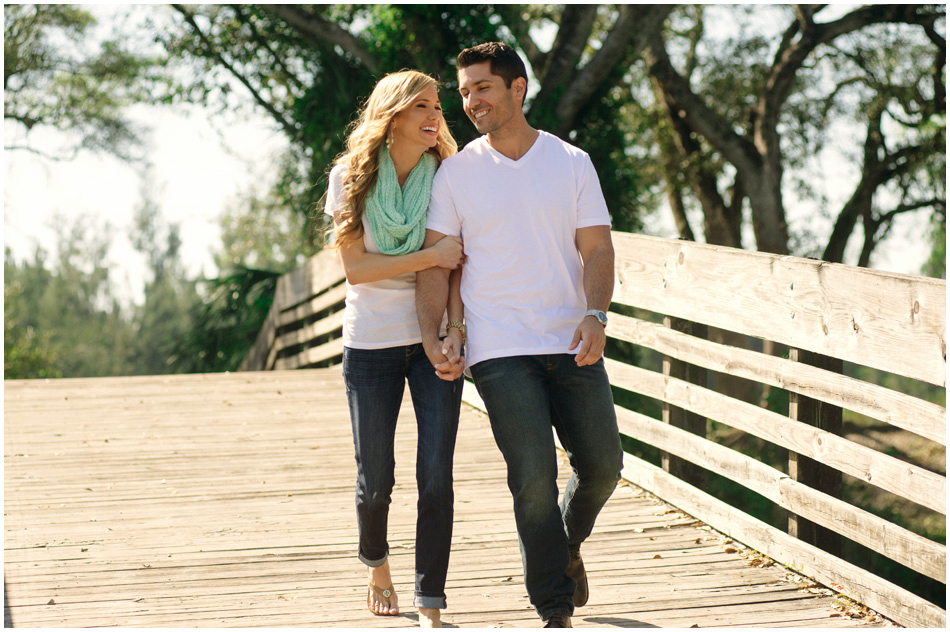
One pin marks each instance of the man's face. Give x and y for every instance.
(488, 103)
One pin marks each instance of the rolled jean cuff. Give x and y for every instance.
(373, 563)
(426, 601)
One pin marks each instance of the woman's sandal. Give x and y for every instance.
(385, 594)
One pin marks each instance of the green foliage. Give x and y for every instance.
(68, 304)
(936, 265)
(627, 179)
(428, 38)
(62, 317)
(257, 231)
(26, 353)
(227, 321)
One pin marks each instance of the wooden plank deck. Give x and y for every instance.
(226, 500)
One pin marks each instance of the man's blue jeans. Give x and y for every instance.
(375, 381)
(525, 397)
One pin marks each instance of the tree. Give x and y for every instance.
(725, 125)
(66, 306)
(166, 316)
(26, 353)
(51, 80)
(309, 67)
(258, 232)
(750, 108)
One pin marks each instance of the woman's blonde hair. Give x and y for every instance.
(392, 94)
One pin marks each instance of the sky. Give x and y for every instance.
(195, 174)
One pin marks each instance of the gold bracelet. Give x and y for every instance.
(458, 325)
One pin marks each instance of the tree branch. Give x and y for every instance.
(263, 43)
(214, 51)
(577, 22)
(319, 31)
(629, 35)
(511, 16)
(42, 153)
(736, 149)
(792, 54)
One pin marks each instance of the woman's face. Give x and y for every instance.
(419, 124)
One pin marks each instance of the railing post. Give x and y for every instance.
(678, 417)
(808, 471)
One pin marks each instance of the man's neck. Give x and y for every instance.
(514, 142)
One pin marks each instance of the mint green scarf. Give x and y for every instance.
(397, 216)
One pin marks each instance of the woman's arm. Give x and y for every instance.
(364, 267)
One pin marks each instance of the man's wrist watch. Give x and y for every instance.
(458, 325)
(599, 315)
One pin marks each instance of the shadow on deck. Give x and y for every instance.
(226, 500)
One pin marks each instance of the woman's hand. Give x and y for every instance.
(446, 356)
(446, 253)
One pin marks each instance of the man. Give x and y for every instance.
(537, 280)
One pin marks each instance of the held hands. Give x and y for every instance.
(446, 356)
(447, 253)
(592, 338)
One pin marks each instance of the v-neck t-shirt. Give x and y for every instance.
(523, 279)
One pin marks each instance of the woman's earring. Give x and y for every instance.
(389, 138)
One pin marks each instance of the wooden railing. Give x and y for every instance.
(727, 323)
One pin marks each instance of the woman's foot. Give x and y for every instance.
(430, 618)
(382, 599)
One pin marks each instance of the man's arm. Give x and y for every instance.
(597, 252)
(432, 297)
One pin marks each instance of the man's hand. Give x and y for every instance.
(446, 356)
(592, 337)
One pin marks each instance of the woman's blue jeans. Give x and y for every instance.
(375, 382)
(525, 397)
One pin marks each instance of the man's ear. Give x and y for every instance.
(520, 87)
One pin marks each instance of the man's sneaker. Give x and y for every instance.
(558, 620)
(575, 570)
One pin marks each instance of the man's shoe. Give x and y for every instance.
(558, 620)
(575, 570)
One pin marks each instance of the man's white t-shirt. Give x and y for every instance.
(378, 314)
(523, 279)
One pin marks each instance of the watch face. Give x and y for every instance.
(599, 315)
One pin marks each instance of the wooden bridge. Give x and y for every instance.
(227, 500)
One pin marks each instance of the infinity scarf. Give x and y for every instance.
(397, 216)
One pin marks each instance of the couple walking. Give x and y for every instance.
(528, 309)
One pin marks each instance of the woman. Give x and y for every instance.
(378, 197)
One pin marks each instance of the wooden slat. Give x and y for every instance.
(877, 534)
(322, 327)
(258, 357)
(891, 322)
(227, 501)
(321, 271)
(898, 409)
(904, 607)
(327, 299)
(904, 479)
(307, 357)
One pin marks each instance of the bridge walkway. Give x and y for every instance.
(226, 500)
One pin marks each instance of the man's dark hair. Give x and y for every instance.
(505, 62)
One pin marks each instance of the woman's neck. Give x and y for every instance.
(404, 158)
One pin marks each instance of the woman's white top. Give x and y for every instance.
(378, 314)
